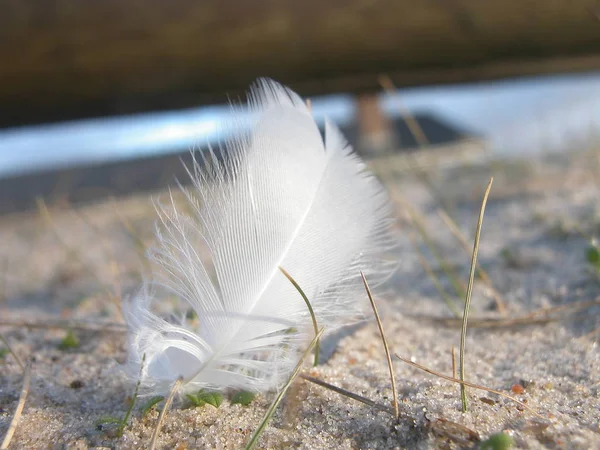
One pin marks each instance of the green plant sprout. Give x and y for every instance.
(203, 397)
(69, 342)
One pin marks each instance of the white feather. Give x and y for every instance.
(277, 196)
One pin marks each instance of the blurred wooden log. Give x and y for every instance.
(70, 58)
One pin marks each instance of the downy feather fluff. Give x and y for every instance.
(277, 196)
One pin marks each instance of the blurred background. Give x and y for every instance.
(103, 98)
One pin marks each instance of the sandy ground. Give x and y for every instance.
(77, 264)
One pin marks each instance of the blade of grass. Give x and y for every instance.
(386, 348)
(467, 383)
(310, 310)
(133, 399)
(463, 333)
(15, 420)
(163, 412)
(263, 425)
(462, 240)
(12, 352)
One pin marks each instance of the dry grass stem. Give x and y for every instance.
(388, 86)
(163, 413)
(49, 221)
(538, 317)
(460, 237)
(453, 353)
(3, 278)
(570, 308)
(469, 384)
(17, 416)
(12, 352)
(418, 222)
(592, 334)
(415, 129)
(346, 393)
(386, 348)
(140, 245)
(53, 324)
(463, 333)
(263, 424)
(435, 280)
(116, 297)
(47, 218)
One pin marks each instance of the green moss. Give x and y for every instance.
(243, 398)
(69, 342)
(498, 441)
(592, 255)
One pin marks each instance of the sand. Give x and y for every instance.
(78, 263)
